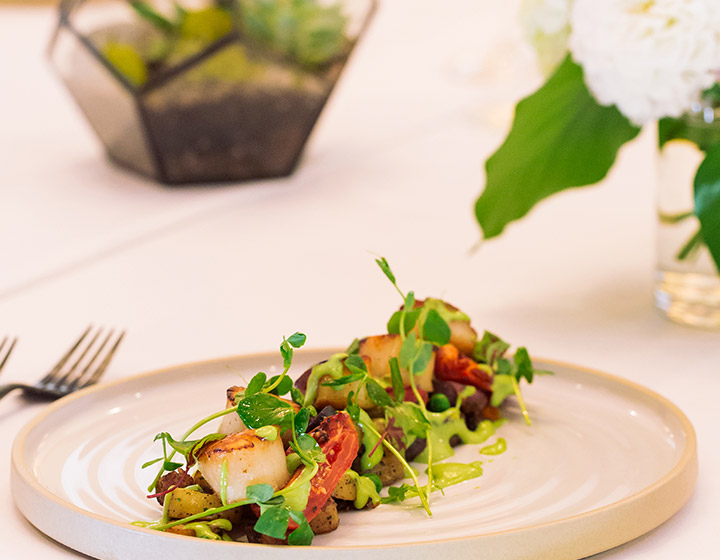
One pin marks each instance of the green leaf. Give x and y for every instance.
(355, 364)
(560, 138)
(376, 480)
(523, 365)
(259, 493)
(707, 201)
(171, 465)
(283, 387)
(273, 522)
(424, 355)
(297, 396)
(262, 409)
(301, 420)
(354, 347)
(188, 448)
(297, 339)
(411, 317)
(344, 380)
(409, 301)
(152, 462)
(502, 388)
(409, 416)
(408, 351)
(489, 349)
(378, 395)
(286, 352)
(435, 329)
(303, 535)
(398, 385)
(256, 384)
(385, 267)
(688, 128)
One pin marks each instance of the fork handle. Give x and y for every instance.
(5, 389)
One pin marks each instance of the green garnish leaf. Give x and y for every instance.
(397, 494)
(256, 384)
(408, 351)
(354, 347)
(489, 349)
(344, 380)
(263, 409)
(303, 535)
(351, 408)
(189, 448)
(171, 465)
(398, 386)
(152, 462)
(409, 304)
(273, 522)
(424, 355)
(435, 329)
(378, 395)
(523, 365)
(283, 387)
(259, 493)
(301, 420)
(385, 267)
(297, 396)
(411, 317)
(355, 364)
(502, 388)
(297, 340)
(410, 418)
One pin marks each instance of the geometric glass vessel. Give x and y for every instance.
(205, 91)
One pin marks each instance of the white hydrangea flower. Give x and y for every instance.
(546, 24)
(650, 58)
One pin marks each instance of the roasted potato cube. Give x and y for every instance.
(389, 469)
(346, 488)
(184, 502)
(327, 518)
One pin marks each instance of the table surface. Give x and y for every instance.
(392, 168)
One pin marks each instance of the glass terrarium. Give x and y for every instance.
(190, 91)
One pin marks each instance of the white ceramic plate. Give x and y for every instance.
(604, 462)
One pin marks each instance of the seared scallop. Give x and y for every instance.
(251, 459)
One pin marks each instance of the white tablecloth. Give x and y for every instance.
(392, 169)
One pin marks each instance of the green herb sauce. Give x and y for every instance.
(445, 425)
(444, 311)
(500, 446)
(364, 490)
(447, 474)
(370, 441)
(333, 368)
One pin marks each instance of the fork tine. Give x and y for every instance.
(74, 374)
(52, 376)
(9, 350)
(106, 360)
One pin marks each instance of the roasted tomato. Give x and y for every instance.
(451, 365)
(338, 440)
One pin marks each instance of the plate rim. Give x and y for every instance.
(680, 480)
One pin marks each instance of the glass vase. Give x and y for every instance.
(687, 283)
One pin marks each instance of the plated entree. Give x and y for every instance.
(287, 457)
